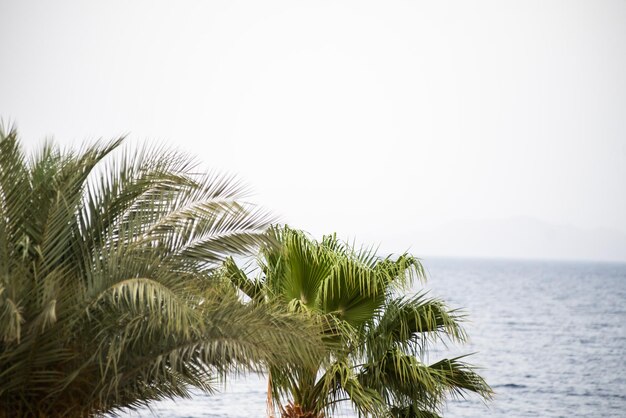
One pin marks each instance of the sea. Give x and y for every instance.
(549, 337)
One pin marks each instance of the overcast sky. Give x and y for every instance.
(378, 120)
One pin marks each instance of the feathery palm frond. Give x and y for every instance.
(109, 296)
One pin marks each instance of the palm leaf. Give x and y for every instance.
(374, 335)
(109, 293)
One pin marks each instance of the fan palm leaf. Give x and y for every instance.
(376, 337)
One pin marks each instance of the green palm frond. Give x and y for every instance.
(109, 292)
(374, 336)
(340, 382)
(251, 288)
(412, 322)
(403, 380)
(412, 411)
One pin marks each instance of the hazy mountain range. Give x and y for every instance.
(518, 238)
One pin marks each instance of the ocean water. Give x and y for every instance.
(550, 338)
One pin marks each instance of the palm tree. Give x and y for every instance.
(108, 297)
(376, 337)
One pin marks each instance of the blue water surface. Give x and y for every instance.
(550, 338)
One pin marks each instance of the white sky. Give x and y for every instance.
(373, 119)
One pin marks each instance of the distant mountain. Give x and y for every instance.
(517, 238)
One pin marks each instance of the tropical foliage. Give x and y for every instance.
(377, 338)
(108, 297)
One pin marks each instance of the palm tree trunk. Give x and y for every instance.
(270, 402)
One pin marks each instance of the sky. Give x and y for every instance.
(483, 128)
